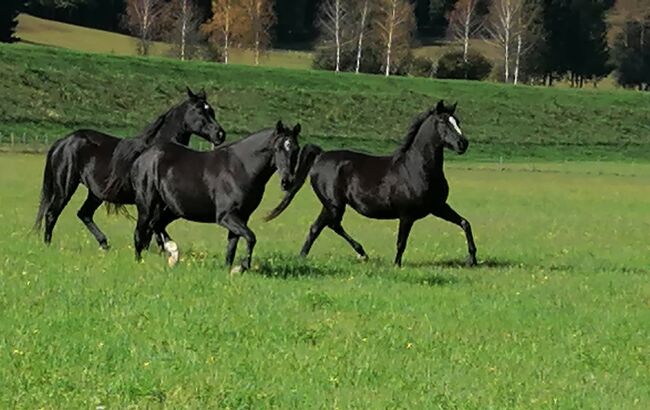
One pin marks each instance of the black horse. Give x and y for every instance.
(223, 186)
(102, 162)
(408, 185)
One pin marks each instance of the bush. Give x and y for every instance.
(452, 65)
(422, 67)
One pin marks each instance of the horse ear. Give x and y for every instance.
(279, 127)
(202, 95)
(453, 107)
(296, 130)
(191, 94)
(440, 107)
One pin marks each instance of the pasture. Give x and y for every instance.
(555, 316)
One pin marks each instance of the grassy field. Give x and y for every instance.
(51, 92)
(555, 316)
(53, 33)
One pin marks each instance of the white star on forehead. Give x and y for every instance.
(287, 145)
(454, 124)
(206, 106)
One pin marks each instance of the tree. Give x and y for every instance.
(465, 23)
(527, 33)
(395, 24)
(9, 10)
(226, 25)
(259, 20)
(184, 27)
(332, 20)
(631, 49)
(364, 10)
(438, 15)
(143, 19)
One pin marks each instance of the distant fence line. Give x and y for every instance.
(31, 143)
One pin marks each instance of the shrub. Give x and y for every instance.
(452, 65)
(422, 67)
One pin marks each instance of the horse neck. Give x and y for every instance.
(427, 153)
(256, 153)
(171, 129)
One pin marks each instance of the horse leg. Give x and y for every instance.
(164, 241)
(231, 249)
(86, 213)
(405, 226)
(335, 225)
(143, 233)
(315, 230)
(237, 227)
(445, 212)
(56, 207)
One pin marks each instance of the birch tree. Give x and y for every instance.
(395, 23)
(142, 18)
(333, 17)
(464, 23)
(226, 26)
(185, 28)
(363, 13)
(259, 20)
(526, 32)
(501, 28)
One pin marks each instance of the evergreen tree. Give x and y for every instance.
(9, 10)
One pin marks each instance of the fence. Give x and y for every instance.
(29, 143)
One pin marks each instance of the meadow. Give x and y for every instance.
(555, 316)
(50, 92)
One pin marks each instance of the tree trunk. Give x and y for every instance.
(468, 20)
(389, 45)
(184, 30)
(362, 28)
(337, 36)
(517, 59)
(257, 48)
(226, 36)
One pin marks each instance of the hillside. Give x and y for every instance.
(40, 31)
(49, 92)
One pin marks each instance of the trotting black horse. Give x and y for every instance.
(408, 185)
(223, 186)
(102, 162)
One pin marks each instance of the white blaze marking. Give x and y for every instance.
(287, 145)
(206, 106)
(454, 124)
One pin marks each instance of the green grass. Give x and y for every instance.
(51, 92)
(555, 316)
(53, 33)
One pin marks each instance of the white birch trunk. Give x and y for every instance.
(362, 29)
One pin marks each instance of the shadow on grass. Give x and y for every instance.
(488, 263)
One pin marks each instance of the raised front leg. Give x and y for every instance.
(445, 212)
(314, 231)
(86, 213)
(237, 226)
(405, 226)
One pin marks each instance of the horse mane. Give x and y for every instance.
(127, 151)
(412, 132)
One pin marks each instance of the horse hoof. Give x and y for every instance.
(104, 246)
(471, 261)
(236, 270)
(172, 250)
(362, 258)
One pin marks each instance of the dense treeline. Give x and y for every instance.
(538, 41)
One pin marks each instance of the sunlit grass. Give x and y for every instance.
(556, 315)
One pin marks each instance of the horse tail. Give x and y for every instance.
(60, 177)
(125, 154)
(307, 157)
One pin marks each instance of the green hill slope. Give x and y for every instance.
(53, 33)
(47, 91)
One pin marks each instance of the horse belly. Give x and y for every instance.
(193, 206)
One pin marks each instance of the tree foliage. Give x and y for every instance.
(9, 10)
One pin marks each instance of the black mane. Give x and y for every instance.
(412, 132)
